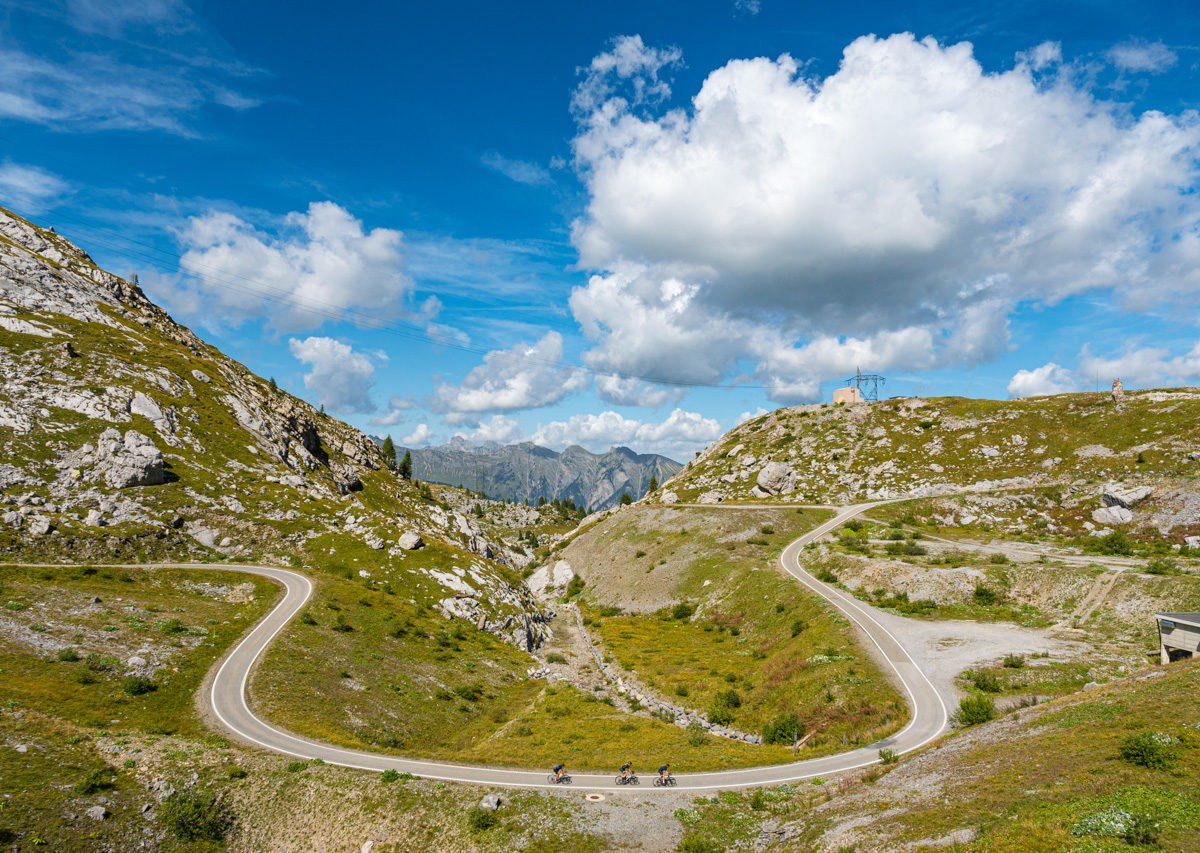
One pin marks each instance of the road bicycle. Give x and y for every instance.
(559, 780)
(631, 779)
(660, 782)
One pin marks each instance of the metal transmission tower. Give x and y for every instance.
(868, 384)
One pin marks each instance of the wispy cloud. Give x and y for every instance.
(521, 171)
(1141, 56)
(29, 189)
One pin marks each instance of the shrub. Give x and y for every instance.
(172, 626)
(975, 709)
(296, 766)
(758, 800)
(1114, 543)
(555, 657)
(574, 587)
(827, 576)
(728, 699)
(720, 715)
(1014, 661)
(1162, 566)
(734, 630)
(480, 819)
(984, 595)
(912, 549)
(987, 682)
(695, 733)
(1141, 830)
(101, 663)
(888, 756)
(471, 692)
(767, 529)
(68, 655)
(341, 625)
(138, 685)
(998, 559)
(681, 690)
(237, 773)
(97, 779)
(699, 844)
(195, 815)
(782, 729)
(389, 776)
(682, 610)
(1153, 750)
(306, 617)
(799, 626)
(779, 608)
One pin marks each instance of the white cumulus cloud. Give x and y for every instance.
(524, 377)
(322, 265)
(1050, 378)
(626, 391)
(497, 428)
(678, 435)
(419, 437)
(340, 378)
(1151, 57)
(888, 216)
(1143, 366)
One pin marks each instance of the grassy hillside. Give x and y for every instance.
(840, 454)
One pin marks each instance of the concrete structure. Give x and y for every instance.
(1178, 635)
(847, 395)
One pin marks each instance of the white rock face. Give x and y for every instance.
(669, 497)
(134, 461)
(1112, 515)
(776, 478)
(551, 577)
(1124, 496)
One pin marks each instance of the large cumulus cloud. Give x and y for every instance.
(891, 214)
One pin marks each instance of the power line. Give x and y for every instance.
(235, 282)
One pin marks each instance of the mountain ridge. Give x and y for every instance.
(528, 471)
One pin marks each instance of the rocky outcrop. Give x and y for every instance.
(551, 578)
(123, 462)
(1124, 496)
(410, 541)
(776, 478)
(1112, 515)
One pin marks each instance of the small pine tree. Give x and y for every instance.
(405, 469)
(653, 483)
(274, 387)
(389, 453)
(626, 500)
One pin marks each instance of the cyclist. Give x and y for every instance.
(558, 772)
(663, 773)
(626, 770)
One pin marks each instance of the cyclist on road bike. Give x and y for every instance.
(663, 772)
(558, 772)
(626, 770)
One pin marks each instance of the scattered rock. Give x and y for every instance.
(97, 813)
(1125, 496)
(411, 541)
(1112, 515)
(776, 478)
(490, 802)
(669, 497)
(134, 461)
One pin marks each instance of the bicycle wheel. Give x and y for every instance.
(552, 779)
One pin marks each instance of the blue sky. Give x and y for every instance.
(627, 223)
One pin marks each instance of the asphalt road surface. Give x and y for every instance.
(227, 696)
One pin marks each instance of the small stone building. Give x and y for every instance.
(1178, 635)
(847, 395)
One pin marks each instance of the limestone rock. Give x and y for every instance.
(97, 813)
(1112, 515)
(669, 497)
(776, 478)
(554, 576)
(39, 525)
(133, 461)
(411, 541)
(1124, 496)
(490, 802)
(1118, 391)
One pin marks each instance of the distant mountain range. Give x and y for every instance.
(528, 471)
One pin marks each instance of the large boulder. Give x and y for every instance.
(1110, 515)
(132, 461)
(776, 478)
(411, 541)
(669, 497)
(1124, 496)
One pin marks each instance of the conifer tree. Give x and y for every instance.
(405, 469)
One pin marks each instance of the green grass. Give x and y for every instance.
(94, 695)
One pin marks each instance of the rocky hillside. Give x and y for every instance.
(527, 472)
(125, 437)
(1123, 460)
